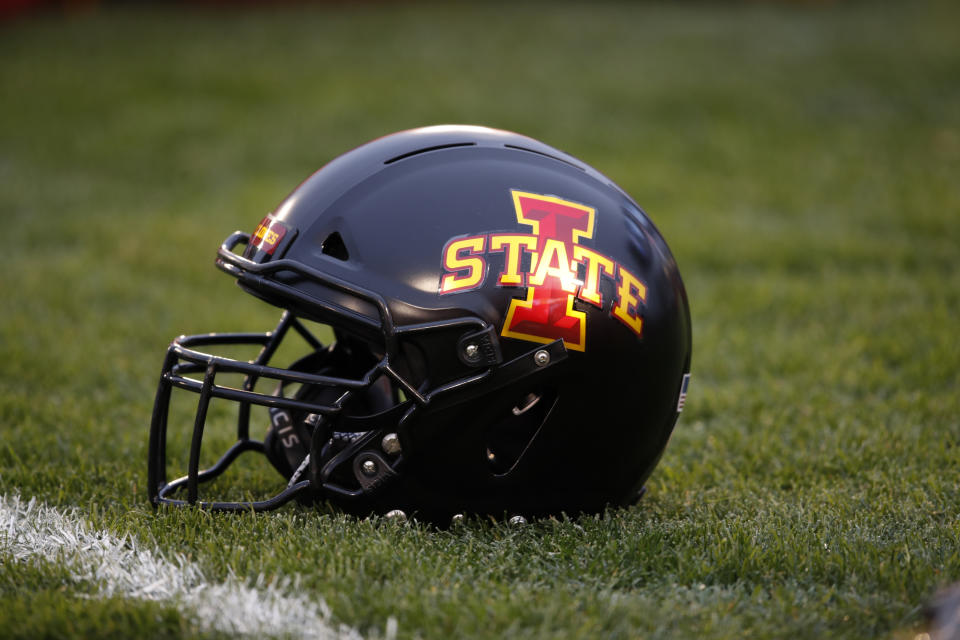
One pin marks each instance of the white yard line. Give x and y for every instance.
(120, 567)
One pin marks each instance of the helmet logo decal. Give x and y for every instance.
(547, 313)
(268, 235)
(553, 266)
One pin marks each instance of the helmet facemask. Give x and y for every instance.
(338, 415)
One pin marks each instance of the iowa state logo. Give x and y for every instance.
(552, 264)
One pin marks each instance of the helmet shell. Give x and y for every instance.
(384, 217)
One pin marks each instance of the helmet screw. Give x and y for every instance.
(517, 520)
(390, 444)
(471, 352)
(396, 515)
(369, 467)
(458, 519)
(542, 357)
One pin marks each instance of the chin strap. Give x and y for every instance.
(296, 474)
(285, 443)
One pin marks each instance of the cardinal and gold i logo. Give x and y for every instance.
(553, 265)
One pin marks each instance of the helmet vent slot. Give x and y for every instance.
(425, 149)
(546, 155)
(334, 247)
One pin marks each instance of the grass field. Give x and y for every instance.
(802, 161)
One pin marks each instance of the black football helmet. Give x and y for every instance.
(510, 336)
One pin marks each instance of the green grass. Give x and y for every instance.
(802, 162)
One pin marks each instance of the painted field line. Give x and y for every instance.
(120, 567)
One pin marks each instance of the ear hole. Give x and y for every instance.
(333, 246)
(509, 438)
(526, 404)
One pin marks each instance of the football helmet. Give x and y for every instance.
(510, 336)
